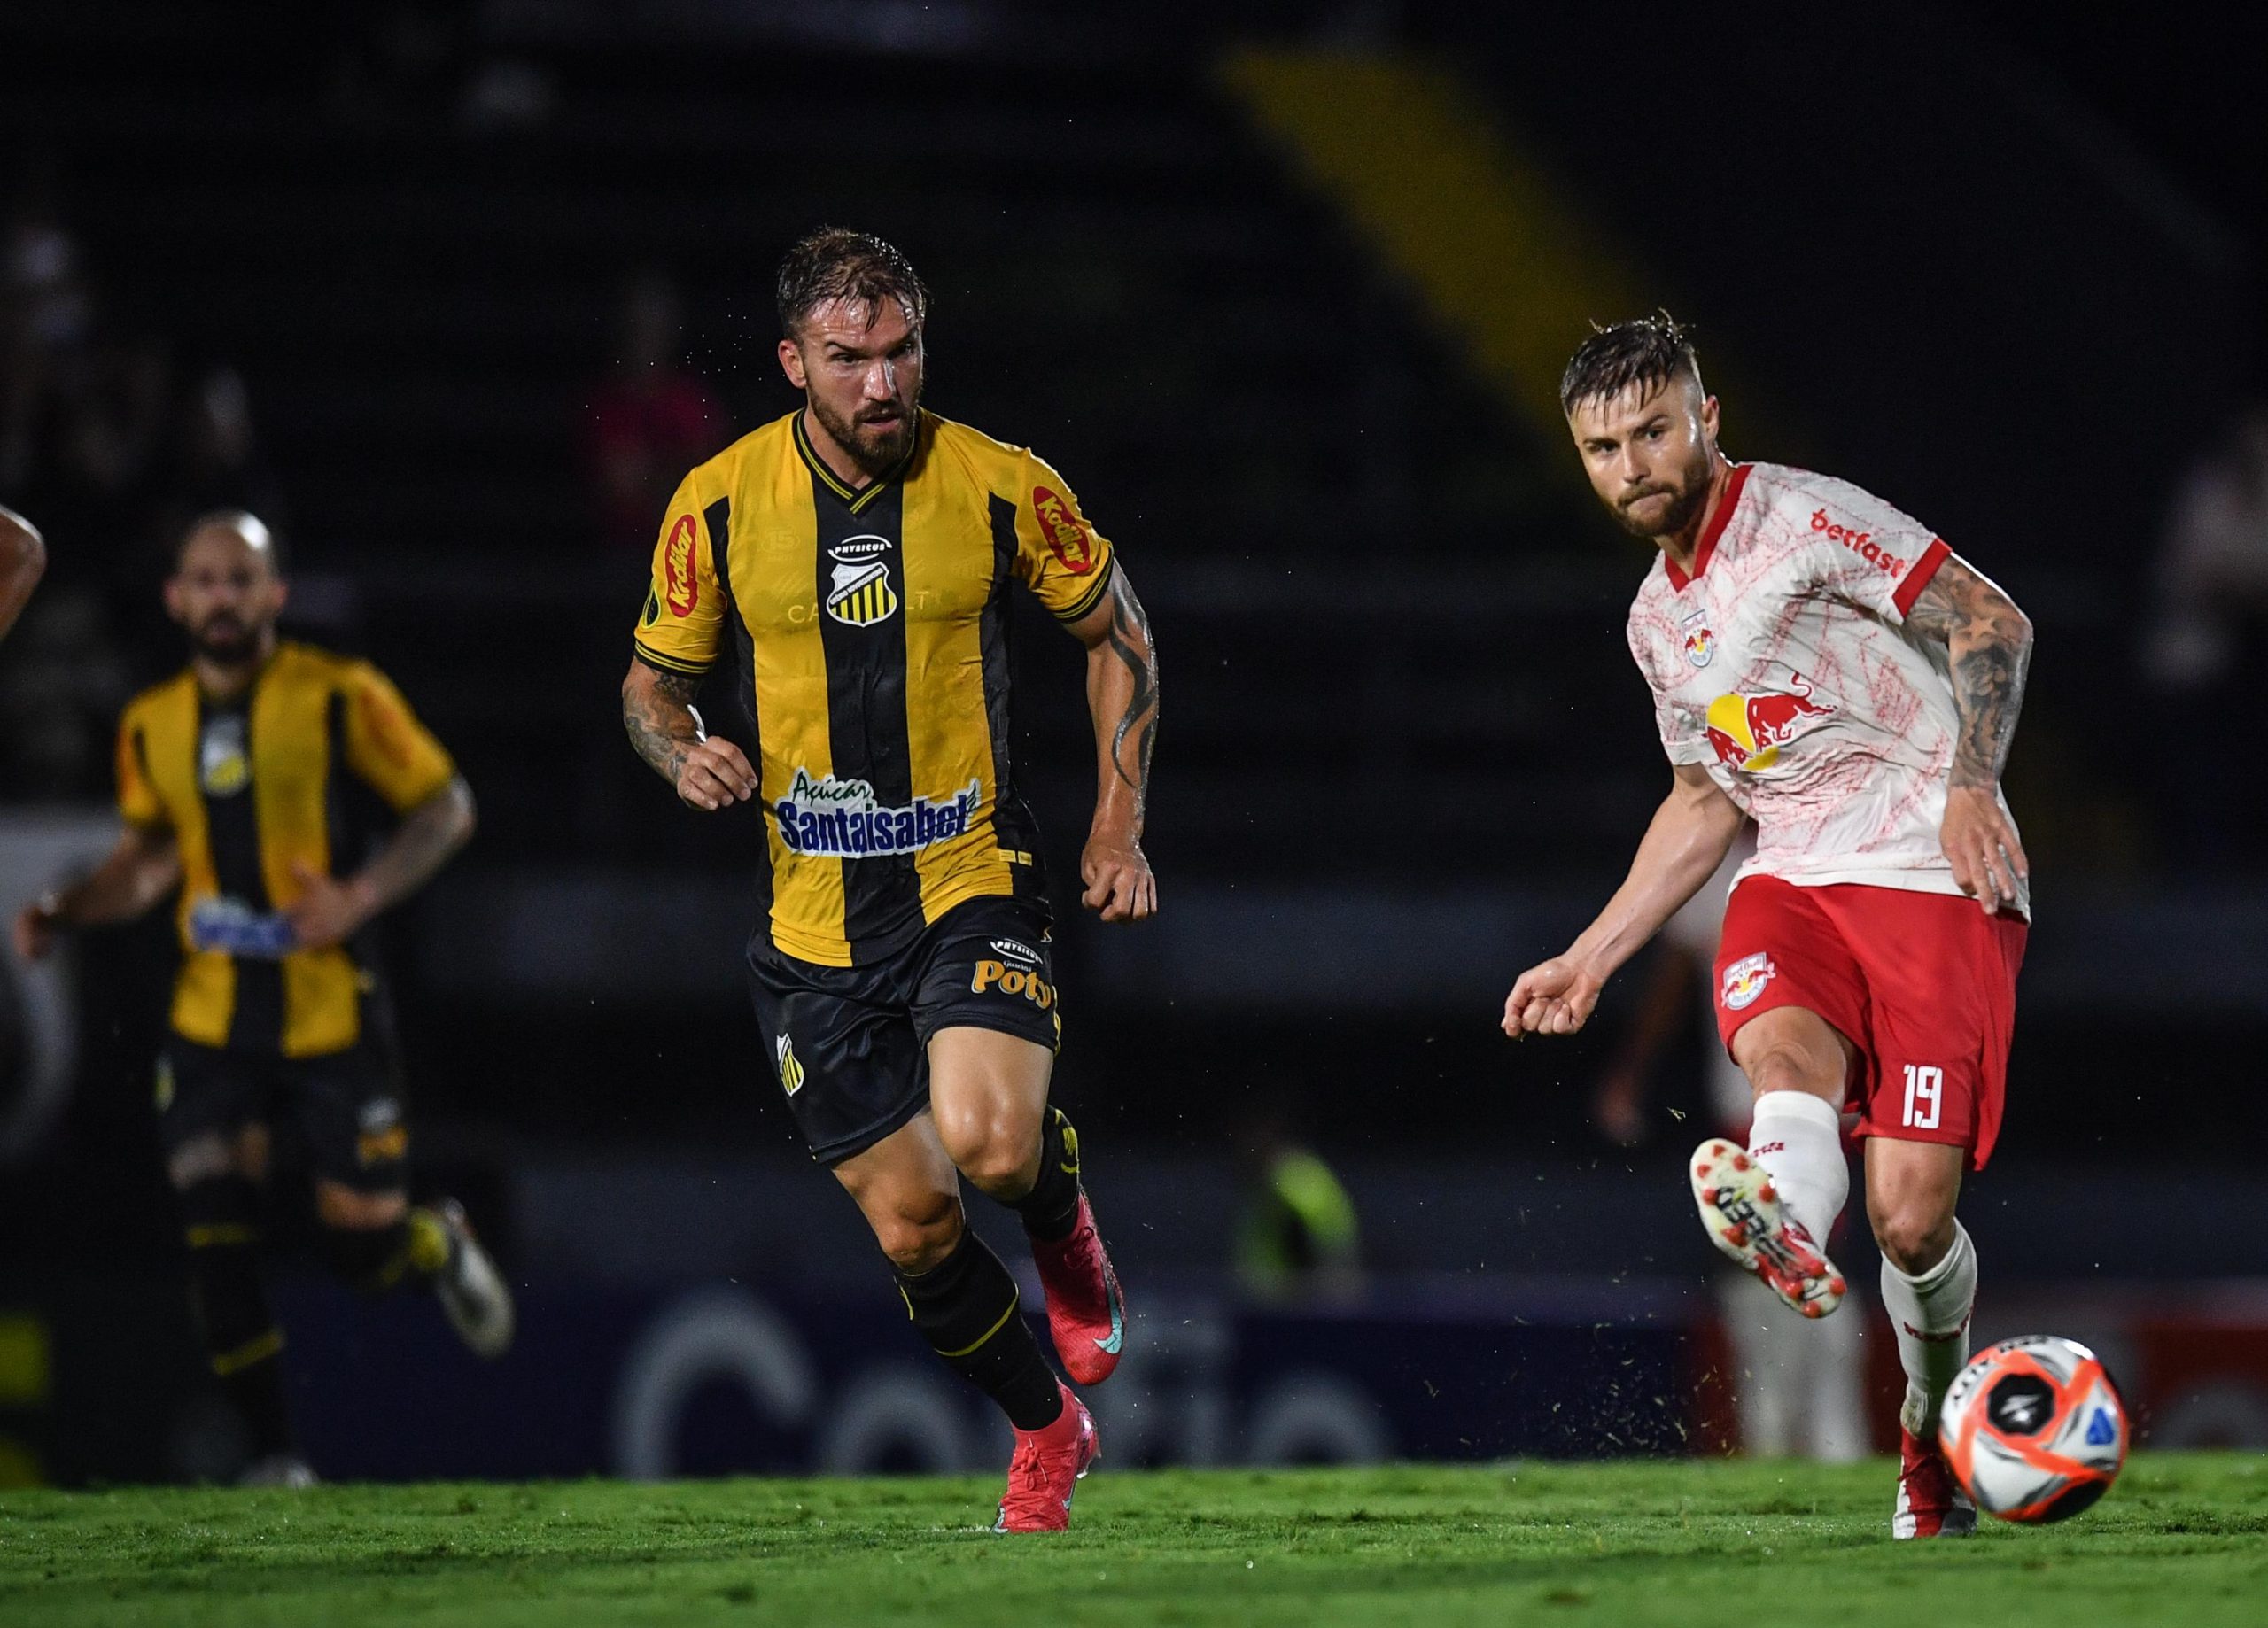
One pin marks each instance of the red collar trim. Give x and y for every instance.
(1719, 519)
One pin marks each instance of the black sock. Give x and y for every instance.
(370, 1259)
(1052, 1208)
(965, 1307)
(241, 1337)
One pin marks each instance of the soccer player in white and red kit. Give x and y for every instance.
(1825, 665)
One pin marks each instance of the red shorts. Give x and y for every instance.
(1923, 984)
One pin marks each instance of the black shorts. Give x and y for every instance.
(346, 1110)
(850, 1044)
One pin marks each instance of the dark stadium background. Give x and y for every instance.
(2009, 279)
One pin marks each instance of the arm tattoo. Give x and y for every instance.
(656, 717)
(1130, 642)
(421, 845)
(1990, 643)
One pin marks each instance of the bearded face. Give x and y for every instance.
(860, 368)
(1670, 499)
(225, 592)
(1651, 455)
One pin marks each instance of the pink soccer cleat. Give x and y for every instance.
(1085, 1312)
(1046, 1470)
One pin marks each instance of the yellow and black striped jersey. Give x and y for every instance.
(250, 788)
(869, 631)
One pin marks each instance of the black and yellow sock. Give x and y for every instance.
(241, 1338)
(1052, 1208)
(965, 1307)
(378, 1259)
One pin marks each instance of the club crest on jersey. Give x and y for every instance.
(380, 1136)
(1745, 980)
(223, 766)
(1747, 732)
(1700, 643)
(861, 594)
(825, 818)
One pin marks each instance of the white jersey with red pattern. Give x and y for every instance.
(1783, 665)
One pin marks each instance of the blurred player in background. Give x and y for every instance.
(1297, 1236)
(231, 778)
(1795, 1380)
(1824, 665)
(855, 559)
(23, 556)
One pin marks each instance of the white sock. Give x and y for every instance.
(1930, 1315)
(1798, 1138)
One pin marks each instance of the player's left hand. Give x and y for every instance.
(1118, 879)
(328, 910)
(1981, 845)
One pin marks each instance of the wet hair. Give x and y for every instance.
(230, 520)
(833, 264)
(1646, 351)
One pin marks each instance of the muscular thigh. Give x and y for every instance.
(213, 1108)
(987, 1088)
(1941, 1006)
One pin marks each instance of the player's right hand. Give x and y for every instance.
(715, 774)
(1555, 997)
(35, 932)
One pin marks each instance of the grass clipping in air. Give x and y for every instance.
(2183, 1538)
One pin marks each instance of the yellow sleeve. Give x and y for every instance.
(1061, 557)
(681, 628)
(387, 747)
(137, 799)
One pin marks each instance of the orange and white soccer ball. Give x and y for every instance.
(2034, 1428)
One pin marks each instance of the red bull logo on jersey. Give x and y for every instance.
(825, 818)
(1700, 643)
(1745, 980)
(1747, 732)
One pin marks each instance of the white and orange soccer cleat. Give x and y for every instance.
(1086, 1315)
(1047, 1468)
(1930, 1503)
(1745, 1220)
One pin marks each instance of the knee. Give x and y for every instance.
(219, 1155)
(342, 1209)
(1912, 1237)
(991, 1147)
(1788, 1065)
(1792, 1049)
(916, 1238)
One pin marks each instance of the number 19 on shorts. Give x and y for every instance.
(1925, 1090)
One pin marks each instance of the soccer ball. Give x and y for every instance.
(2034, 1428)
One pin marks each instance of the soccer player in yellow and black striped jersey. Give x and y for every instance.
(851, 564)
(231, 779)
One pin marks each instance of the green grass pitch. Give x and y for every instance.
(2182, 1538)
